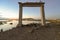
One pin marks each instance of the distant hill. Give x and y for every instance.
(31, 19)
(26, 19)
(1, 18)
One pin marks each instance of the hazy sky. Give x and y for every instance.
(10, 9)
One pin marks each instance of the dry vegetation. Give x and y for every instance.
(54, 21)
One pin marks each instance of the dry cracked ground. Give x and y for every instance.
(51, 32)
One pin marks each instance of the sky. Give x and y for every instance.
(10, 9)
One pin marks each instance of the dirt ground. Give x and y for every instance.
(51, 32)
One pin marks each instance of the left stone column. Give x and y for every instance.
(20, 14)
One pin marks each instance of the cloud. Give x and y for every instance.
(8, 13)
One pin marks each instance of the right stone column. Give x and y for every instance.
(42, 15)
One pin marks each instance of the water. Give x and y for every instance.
(7, 26)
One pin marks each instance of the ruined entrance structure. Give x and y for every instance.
(32, 4)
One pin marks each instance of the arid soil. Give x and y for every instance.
(30, 32)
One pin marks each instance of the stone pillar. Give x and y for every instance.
(42, 15)
(20, 14)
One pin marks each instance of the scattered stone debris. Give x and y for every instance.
(11, 23)
(1, 23)
(30, 33)
(1, 30)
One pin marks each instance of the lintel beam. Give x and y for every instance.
(31, 4)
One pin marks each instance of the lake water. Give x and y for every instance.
(7, 26)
